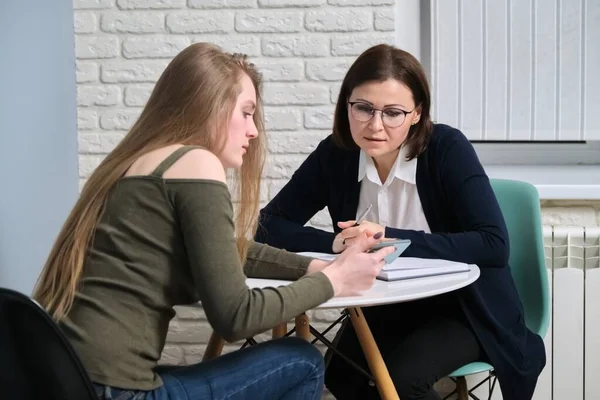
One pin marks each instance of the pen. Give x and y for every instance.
(363, 215)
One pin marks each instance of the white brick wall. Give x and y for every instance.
(303, 48)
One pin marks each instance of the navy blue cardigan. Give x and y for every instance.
(466, 224)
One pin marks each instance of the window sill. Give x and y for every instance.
(554, 182)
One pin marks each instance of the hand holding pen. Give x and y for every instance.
(362, 216)
(359, 221)
(351, 229)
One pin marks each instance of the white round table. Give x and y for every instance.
(383, 292)
(380, 293)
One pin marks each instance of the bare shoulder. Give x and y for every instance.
(197, 164)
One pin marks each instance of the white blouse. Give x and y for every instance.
(395, 203)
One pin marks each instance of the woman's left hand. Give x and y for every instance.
(316, 265)
(349, 231)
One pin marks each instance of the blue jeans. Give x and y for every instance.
(287, 368)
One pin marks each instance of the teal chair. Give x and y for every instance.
(520, 205)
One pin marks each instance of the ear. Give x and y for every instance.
(416, 116)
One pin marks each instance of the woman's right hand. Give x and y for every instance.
(355, 270)
(350, 230)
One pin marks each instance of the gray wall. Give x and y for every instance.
(38, 150)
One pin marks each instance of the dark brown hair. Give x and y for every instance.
(379, 63)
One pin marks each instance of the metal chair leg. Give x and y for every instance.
(336, 339)
(491, 385)
(464, 393)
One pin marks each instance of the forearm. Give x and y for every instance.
(268, 262)
(484, 248)
(282, 233)
(316, 266)
(261, 309)
(233, 310)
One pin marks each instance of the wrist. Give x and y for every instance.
(335, 245)
(316, 265)
(338, 245)
(332, 275)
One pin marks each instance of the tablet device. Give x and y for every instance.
(400, 244)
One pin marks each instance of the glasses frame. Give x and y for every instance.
(352, 103)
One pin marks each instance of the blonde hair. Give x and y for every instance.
(191, 104)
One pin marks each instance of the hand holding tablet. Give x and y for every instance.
(400, 244)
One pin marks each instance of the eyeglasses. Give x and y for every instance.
(391, 117)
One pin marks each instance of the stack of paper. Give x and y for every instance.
(409, 267)
(320, 256)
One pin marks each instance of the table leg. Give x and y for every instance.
(303, 327)
(384, 383)
(214, 347)
(279, 331)
(461, 388)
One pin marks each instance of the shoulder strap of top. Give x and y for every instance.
(171, 159)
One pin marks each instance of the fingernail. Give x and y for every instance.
(378, 235)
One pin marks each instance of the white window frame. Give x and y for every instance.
(412, 34)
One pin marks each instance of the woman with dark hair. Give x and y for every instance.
(424, 183)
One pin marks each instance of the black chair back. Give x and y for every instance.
(36, 360)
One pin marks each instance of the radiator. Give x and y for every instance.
(573, 340)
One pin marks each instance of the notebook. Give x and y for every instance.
(407, 267)
(410, 267)
(399, 246)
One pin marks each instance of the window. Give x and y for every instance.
(518, 77)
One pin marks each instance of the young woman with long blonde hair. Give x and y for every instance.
(155, 227)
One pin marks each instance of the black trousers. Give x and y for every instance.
(421, 342)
